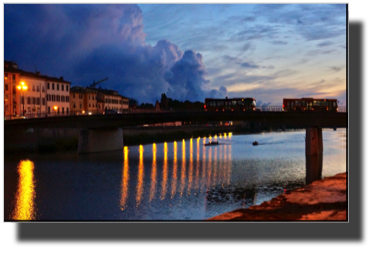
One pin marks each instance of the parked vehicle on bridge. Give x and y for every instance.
(19, 117)
(230, 104)
(310, 104)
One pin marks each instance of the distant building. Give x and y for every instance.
(92, 100)
(44, 95)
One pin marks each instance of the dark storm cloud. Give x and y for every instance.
(325, 44)
(84, 43)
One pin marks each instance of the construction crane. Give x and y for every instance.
(96, 83)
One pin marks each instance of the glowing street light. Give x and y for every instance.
(55, 108)
(22, 88)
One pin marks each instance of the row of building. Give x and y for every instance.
(45, 96)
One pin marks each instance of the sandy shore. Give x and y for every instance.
(321, 200)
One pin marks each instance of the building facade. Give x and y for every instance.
(92, 100)
(43, 96)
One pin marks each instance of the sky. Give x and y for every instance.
(188, 51)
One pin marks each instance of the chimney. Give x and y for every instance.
(61, 78)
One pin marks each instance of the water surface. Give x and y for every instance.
(182, 180)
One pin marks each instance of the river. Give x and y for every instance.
(182, 180)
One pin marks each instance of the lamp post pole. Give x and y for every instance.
(22, 87)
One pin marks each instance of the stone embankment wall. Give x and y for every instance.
(67, 139)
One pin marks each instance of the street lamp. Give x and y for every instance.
(22, 87)
(55, 108)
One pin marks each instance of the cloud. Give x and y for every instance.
(84, 43)
(279, 42)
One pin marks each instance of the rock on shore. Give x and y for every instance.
(321, 200)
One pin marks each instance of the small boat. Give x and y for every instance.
(255, 143)
(211, 143)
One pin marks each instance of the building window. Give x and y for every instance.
(67, 98)
(6, 87)
(34, 88)
(52, 86)
(89, 105)
(80, 96)
(63, 98)
(62, 90)
(48, 109)
(48, 87)
(63, 109)
(38, 100)
(57, 98)
(74, 105)
(33, 100)
(38, 88)
(13, 77)
(53, 97)
(14, 89)
(67, 88)
(43, 101)
(67, 110)
(43, 89)
(80, 106)
(73, 95)
(28, 100)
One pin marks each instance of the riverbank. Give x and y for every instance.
(321, 200)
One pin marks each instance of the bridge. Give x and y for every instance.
(301, 119)
(99, 133)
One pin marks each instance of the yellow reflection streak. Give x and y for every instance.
(209, 167)
(190, 167)
(230, 135)
(210, 138)
(204, 140)
(174, 179)
(216, 137)
(153, 175)
(215, 166)
(24, 209)
(183, 170)
(229, 164)
(140, 177)
(204, 165)
(165, 171)
(197, 167)
(225, 164)
(225, 135)
(220, 166)
(124, 181)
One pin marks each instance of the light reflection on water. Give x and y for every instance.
(171, 180)
(24, 209)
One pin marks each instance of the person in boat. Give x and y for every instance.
(255, 143)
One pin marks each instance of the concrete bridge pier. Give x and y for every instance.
(100, 140)
(314, 154)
